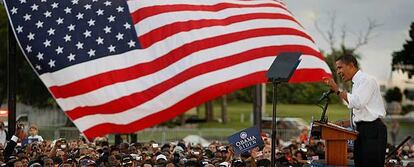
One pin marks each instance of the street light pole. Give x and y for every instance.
(11, 80)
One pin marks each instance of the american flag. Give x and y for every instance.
(122, 66)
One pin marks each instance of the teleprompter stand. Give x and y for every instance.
(280, 71)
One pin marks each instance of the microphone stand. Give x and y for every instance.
(324, 118)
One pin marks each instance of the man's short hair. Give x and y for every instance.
(348, 59)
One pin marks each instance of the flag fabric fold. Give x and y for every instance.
(122, 66)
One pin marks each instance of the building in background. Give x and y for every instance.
(401, 80)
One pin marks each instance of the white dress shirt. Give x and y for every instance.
(35, 138)
(365, 100)
(3, 136)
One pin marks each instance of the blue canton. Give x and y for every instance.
(56, 34)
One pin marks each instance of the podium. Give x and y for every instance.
(336, 140)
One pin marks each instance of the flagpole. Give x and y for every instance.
(11, 81)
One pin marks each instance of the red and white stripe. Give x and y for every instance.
(194, 51)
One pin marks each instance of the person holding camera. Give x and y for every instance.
(59, 147)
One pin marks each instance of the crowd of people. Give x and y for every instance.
(31, 150)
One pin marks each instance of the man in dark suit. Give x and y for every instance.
(11, 145)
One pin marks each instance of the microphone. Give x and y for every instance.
(325, 95)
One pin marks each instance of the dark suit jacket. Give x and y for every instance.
(8, 151)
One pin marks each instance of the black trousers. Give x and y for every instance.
(370, 145)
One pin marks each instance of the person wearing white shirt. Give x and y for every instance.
(3, 134)
(33, 135)
(368, 109)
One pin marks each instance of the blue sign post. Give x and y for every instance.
(245, 140)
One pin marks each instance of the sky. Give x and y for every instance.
(394, 17)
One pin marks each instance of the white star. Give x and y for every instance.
(75, 2)
(71, 27)
(47, 43)
(48, 14)
(14, 10)
(28, 48)
(71, 57)
(31, 36)
(79, 16)
(127, 25)
(120, 9)
(67, 38)
(79, 45)
(51, 31)
(68, 10)
(111, 48)
(55, 5)
(27, 17)
(100, 12)
(51, 63)
(22, 1)
(119, 36)
(34, 7)
(131, 43)
(87, 6)
(107, 3)
(19, 29)
(94, 0)
(39, 24)
(59, 21)
(107, 29)
(38, 67)
(87, 33)
(59, 50)
(91, 53)
(40, 56)
(43, 0)
(99, 40)
(111, 18)
(91, 22)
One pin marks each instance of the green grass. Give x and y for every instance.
(239, 115)
(335, 111)
(238, 111)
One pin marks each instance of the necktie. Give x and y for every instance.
(351, 112)
(351, 120)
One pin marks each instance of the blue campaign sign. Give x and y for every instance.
(245, 140)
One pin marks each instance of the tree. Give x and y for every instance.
(3, 48)
(409, 94)
(393, 95)
(209, 111)
(404, 59)
(223, 105)
(338, 50)
(301, 93)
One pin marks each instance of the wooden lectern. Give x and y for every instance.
(336, 140)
